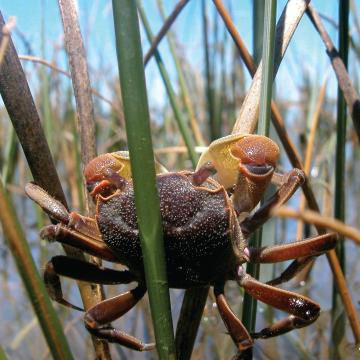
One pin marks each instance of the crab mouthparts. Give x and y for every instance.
(256, 169)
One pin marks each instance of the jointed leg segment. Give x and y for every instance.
(98, 318)
(303, 311)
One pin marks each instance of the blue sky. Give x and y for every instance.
(97, 26)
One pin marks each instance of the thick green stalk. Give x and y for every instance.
(258, 29)
(133, 89)
(33, 283)
(268, 67)
(249, 308)
(183, 127)
(338, 318)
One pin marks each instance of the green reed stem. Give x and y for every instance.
(11, 150)
(33, 283)
(249, 308)
(338, 319)
(183, 127)
(3, 355)
(133, 88)
(209, 85)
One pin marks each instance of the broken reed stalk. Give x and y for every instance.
(6, 31)
(296, 9)
(133, 89)
(246, 120)
(21, 108)
(345, 84)
(33, 283)
(86, 124)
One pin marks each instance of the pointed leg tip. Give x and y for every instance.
(148, 347)
(245, 344)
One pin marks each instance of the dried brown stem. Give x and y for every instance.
(310, 148)
(42, 61)
(86, 122)
(314, 218)
(164, 29)
(351, 97)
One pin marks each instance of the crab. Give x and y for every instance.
(207, 218)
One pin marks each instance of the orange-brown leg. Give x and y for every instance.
(303, 311)
(292, 180)
(237, 330)
(73, 229)
(98, 318)
(82, 271)
(314, 246)
(66, 235)
(304, 249)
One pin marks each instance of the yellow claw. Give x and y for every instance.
(119, 162)
(220, 155)
(245, 164)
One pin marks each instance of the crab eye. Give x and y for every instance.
(90, 186)
(259, 169)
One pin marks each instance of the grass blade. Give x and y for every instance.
(132, 81)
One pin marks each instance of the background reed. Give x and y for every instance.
(209, 83)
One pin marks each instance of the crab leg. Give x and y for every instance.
(237, 330)
(66, 235)
(292, 180)
(98, 318)
(309, 247)
(303, 311)
(79, 270)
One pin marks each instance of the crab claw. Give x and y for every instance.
(243, 162)
(107, 173)
(257, 156)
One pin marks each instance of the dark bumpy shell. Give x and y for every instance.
(196, 224)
